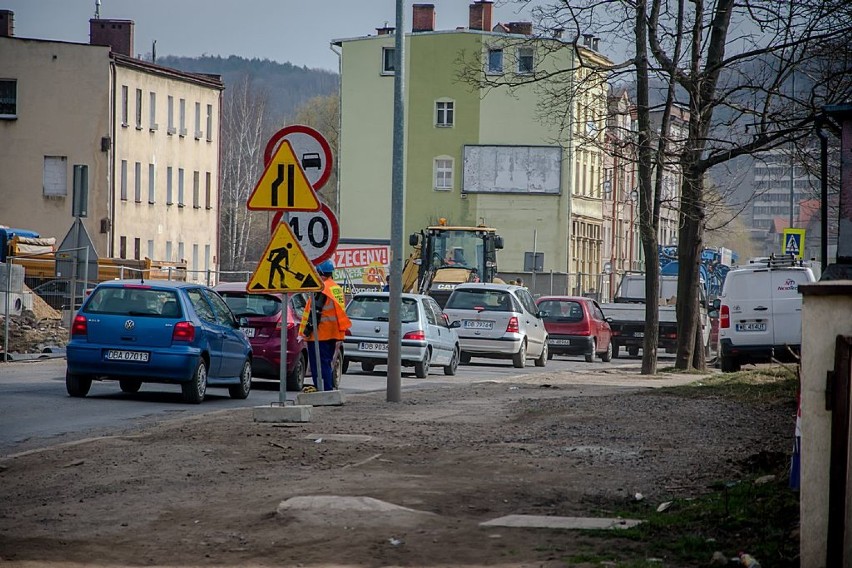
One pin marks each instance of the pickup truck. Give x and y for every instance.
(626, 315)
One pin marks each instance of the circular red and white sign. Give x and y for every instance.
(311, 149)
(316, 231)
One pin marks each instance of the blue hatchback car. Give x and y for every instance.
(158, 331)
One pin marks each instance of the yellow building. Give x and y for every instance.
(147, 137)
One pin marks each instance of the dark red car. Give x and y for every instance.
(263, 312)
(575, 326)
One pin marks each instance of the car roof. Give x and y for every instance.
(488, 286)
(563, 298)
(387, 295)
(151, 283)
(237, 287)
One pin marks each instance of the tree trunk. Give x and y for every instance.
(690, 244)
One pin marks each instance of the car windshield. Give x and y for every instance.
(377, 308)
(470, 299)
(244, 304)
(561, 310)
(134, 301)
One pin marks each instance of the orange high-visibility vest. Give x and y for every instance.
(332, 321)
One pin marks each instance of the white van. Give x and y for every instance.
(760, 313)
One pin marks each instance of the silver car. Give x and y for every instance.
(428, 338)
(498, 321)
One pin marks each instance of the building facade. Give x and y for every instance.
(146, 136)
(474, 156)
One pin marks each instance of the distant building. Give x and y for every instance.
(147, 135)
(777, 185)
(475, 156)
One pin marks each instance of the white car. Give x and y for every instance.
(428, 338)
(760, 313)
(498, 321)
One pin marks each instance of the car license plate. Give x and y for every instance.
(639, 334)
(373, 346)
(122, 355)
(559, 341)
(477, 324)
(751, 326)
(248, 331)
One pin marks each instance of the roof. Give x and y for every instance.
(151, 283)
(808, 211)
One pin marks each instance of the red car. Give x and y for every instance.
(576, 326)
(263, 312)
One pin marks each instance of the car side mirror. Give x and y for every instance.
(713, 314)
(455, 324)
(716, 304)
(608, 320)
(242, 322)
(541, 314)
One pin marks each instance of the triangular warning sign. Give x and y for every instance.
(792, 245)
(283, 185)
(284, 266)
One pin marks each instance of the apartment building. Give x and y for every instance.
(475, 155)
(147, 138)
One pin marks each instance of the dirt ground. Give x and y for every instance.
(207, 491)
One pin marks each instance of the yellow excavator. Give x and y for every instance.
(444, 256)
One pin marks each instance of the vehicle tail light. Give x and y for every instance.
(616, 332)
(512, 327)
(670, 335)
(80, 325)
(415, 335)
(184, 331)
(585, 330)
(725, 317)
(348, 333)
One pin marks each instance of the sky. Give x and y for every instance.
(280, 30)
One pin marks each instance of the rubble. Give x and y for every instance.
(29, 333)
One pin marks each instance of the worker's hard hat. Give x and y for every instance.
(326, 268)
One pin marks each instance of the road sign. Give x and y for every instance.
(283, 185)
(284, 266)
(70, 256)
(794, 242)
(317, 232)
(310, 148)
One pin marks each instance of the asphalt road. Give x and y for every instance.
(36, 411)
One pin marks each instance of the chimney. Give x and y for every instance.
(595, 43)
(480, 15)
(386, 30)
(521, 28)
(115, 34)
(424, 18)
(7, 23)
(587, 40)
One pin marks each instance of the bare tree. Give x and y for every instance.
(323, 114)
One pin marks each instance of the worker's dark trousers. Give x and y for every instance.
(326, 349)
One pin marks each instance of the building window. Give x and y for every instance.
(137, 182)
(151, 184)
(137, 248)
(150, 248)
(169, 192)
(182, 116)
(196, 190)
(495, 60)
(138, 109)
(444, 113)
(168, 251)
(55, 176)
(206, 257)
(122, 247)
(195, 259)
(180, 187)
(209, 123)
(444, 173)
(124, 103)
(170, 108)
(124, 180)
(525, 60)
(152, 104)
(8, 98)
(198, 132)
(180, 251)
(208, 191)
(388, 57)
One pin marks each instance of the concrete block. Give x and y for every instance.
(324, 398)
(292, 413)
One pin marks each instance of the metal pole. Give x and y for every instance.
(282, 369)
(318, 382)
(535, 244)
(6, 316)
(394, 386)
(85, 277)
(792, 165)
(823, 196)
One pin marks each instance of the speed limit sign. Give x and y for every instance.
(316, 231)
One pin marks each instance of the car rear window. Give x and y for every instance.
(136, 301)
(491, 300)
(561, 310)
(377, 308)
(244, 304)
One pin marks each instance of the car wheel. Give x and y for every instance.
(542, 359)
(591, 355)
(519, 359)
(421, 368)
(129, 385)
(77, 385)
(549, 355)
(242, 390)
(296, 379)
(633, 351)
(464, 358)
(729, 364)
(337, 369)
(368, 367)
(607, 356)
(450, 370)
(615, 349)
(195, 389)
(344, 368)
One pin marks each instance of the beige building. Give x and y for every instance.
(147, 136)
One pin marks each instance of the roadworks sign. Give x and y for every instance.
(283, 185)
(284, 266)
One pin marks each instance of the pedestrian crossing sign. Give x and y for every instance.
(793, 242)
(284, 266)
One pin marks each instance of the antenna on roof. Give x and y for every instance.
(97, 9)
